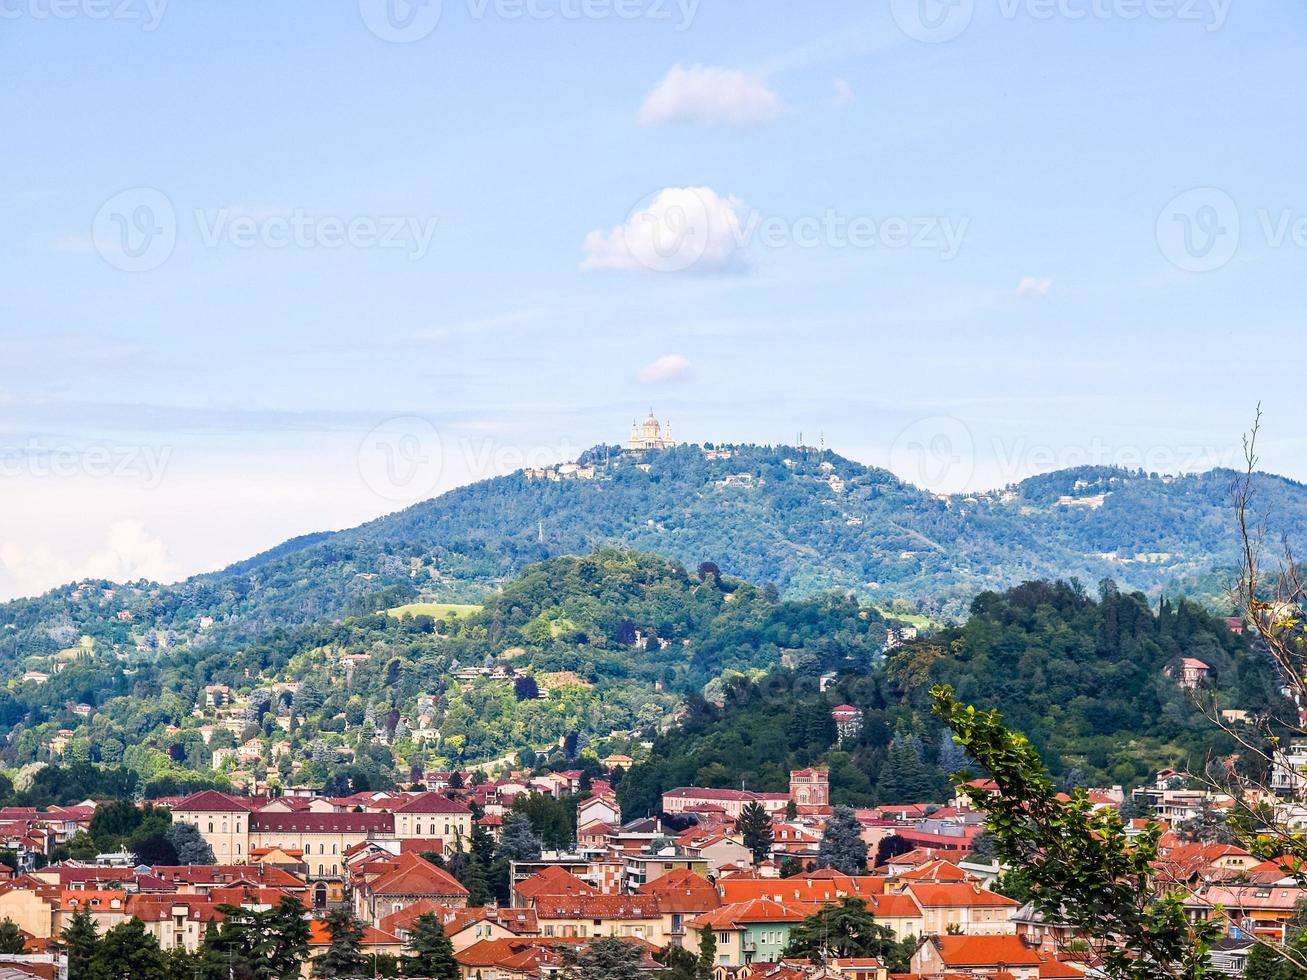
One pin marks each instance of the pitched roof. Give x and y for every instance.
(494, 952)
(937, 871)
(431, 802)
(553, 880)
(801, 888)
(759, 910)
(960, 951)
(411, 875)
(683, 891)
(320, 935)
(210, 800)
(930, 895)
(598, 907)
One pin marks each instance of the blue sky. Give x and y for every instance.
(278, 267)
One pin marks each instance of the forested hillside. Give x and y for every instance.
(1091, 679)
(574, 651)
(802, 520)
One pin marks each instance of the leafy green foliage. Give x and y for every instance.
(432, 952)
(1087, 676)
(11, 938)
(127, 952)
(846, 929)
(754, 825)
(603, 959)
(343, 956)
(842, 846)
(257, 945)
(78, 941)
(1081, 866)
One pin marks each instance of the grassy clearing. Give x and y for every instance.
(436, 610)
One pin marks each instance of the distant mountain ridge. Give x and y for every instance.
(808, 521)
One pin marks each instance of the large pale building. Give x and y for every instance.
(223, 822)
(650, 435)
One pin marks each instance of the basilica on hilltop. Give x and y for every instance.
(650, 435)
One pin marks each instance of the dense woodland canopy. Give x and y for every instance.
(807, 521)
(1086, 677)
(602, 644)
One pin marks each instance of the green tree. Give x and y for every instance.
(1264, 963)
(11, 937)
(843, 930)
(115, 820)
(466, 866)
(190, 845)
(257, 945)
(432, 951)
(754, 825)
(552, 821)
(179, 963)
(707, 954)
(517, 841)
(1080, 863)
(679, 963)
(842, 847)
(127, 952)
(905, 777)
(78, 941)
(343, 956)
(604, 959)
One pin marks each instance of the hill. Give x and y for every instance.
(1092, 682)
(803, 520)
(576, 650)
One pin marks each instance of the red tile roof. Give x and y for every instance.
(411, 875)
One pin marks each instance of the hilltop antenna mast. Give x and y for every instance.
(540, 531)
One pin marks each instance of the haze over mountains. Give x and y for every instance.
(806, 520)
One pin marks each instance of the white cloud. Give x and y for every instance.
(129, 551)
(1034, 288)
(682, 229)
(709, 95)
(669, 367)
(844, 92)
